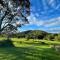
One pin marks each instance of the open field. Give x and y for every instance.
(29, 50)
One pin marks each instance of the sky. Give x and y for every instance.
(44, 15)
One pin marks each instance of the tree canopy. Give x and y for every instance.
(13, 14)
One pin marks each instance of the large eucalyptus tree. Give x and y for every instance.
(13, 14)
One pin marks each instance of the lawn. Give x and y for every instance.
(29, 50)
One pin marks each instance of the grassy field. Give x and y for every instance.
(29, 50)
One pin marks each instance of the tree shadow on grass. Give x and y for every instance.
(28, 53)
(6, 43)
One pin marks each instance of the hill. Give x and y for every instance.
(38, 34)
(35, 34)
(32, 34)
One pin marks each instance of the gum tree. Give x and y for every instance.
(13, 14)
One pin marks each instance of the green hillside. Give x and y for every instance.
(36, 34)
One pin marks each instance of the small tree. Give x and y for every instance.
(57, 37)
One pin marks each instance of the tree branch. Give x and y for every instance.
(2, 20)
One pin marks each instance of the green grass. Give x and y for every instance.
(29, 50)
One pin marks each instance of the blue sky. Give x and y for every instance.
(45, 15)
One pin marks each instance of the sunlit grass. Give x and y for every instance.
(24, 42)
(2, 38)
(29, 50)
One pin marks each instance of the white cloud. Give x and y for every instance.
(53, 30)
(33, 20)
(46, 23)
(52, 22)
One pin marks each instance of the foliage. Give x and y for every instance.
(35, 34)
(49, 37)
(13, 14)
(57, 37)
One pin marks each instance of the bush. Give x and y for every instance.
(57, 37)
(49, 37)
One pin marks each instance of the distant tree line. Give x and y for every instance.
(35, 34)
